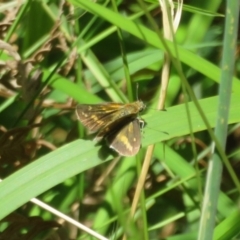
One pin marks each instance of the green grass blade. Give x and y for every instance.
(208, 217)
(193, 60)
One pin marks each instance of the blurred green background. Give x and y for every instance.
(57, 54)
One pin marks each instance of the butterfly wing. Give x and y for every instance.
(96, 116)
(126, 140)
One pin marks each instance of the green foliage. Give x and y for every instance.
(58, 54)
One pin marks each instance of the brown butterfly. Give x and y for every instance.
(118, 123)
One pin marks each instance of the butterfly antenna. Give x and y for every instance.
(137, 91)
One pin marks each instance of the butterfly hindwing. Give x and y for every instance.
(127, 140)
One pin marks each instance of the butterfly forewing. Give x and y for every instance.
(94, 117)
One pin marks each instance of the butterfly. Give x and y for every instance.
(118, 123)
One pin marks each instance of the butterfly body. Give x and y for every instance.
(118, 123)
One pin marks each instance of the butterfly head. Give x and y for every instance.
(140, 105)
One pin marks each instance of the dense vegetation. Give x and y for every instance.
(57, 54)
